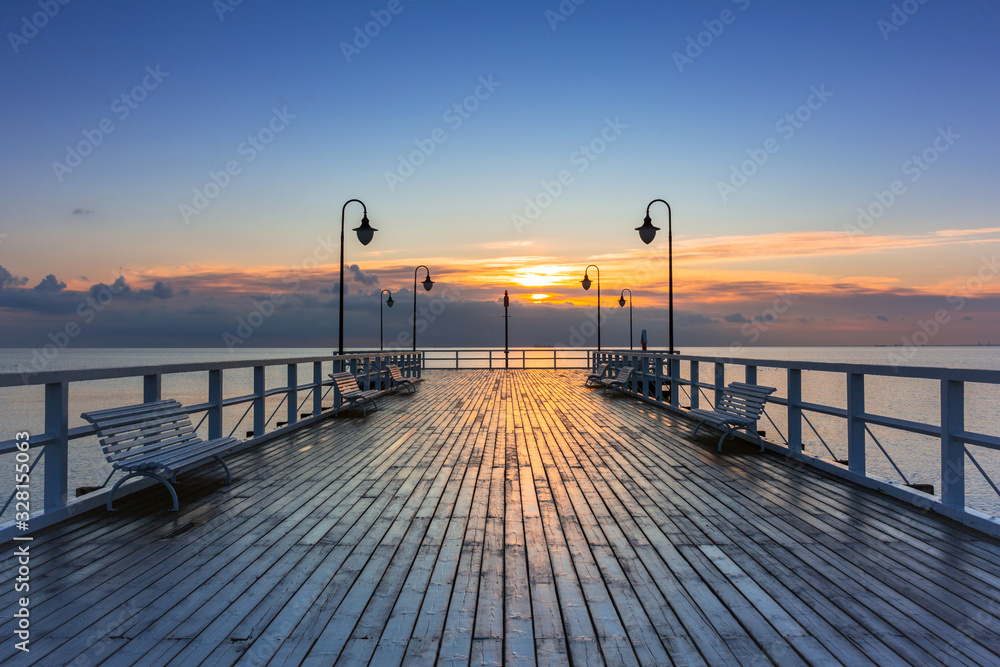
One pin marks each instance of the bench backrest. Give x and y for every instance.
(346, 383)
(601, 370)
(623, 374)
(395, 373)
(141, 430)
(744, 400)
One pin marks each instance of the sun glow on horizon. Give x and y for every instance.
(545, 275)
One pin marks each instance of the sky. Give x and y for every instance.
(172, 173)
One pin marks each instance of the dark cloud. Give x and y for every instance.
(967, 318)
(360, 276)
(883, 318)
(82, 211)
(7, 279)
(162, 290)
(736, 318)
(50, 284)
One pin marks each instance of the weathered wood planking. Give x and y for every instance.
(510, 518)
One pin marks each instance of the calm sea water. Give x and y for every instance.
(917, 457)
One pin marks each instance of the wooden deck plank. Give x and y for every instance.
(505, 517)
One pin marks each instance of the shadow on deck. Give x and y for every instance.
(505, 517)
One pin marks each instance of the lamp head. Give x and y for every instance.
(365, 232)
(621, 302)
(389, 301)
(586, 280)
(506, 299)
(648, 231)
(428, 283)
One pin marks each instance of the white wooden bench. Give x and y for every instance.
(595, 378)
(619, 381)
(154, 440)
(351, 393)
(740, 407)
(398, 380)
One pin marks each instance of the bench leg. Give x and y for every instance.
(229, 477)
(697, 428)
(173, 494)
(727, 432)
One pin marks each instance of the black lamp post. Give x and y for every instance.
(586, 285)
(506, 319)
(389, 303)
(647, 232)
(365, 234)
(428, 284)
(621, 304)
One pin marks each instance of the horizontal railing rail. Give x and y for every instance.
(56, 436)
(514, 358)
(657, 377)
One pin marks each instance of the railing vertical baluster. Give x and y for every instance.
(751, 375)
(952, 448)
(720, 381)
(695, 390)
(456, 359)
(855, 424)
(215, 399)
(658, 374)
(259, 387)
(56, 452)
(795, 410)
(317, 388)
(152, 388)
(675, 370)
(293, 394)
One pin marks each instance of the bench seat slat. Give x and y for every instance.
(185, 457)
(152, 448)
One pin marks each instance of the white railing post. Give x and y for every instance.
(215, 399)
(258, 401)
(855, 423)
(658, 372)
(720, 381)
(293, 394)
(952, 447)
(152, 388)
(675, 370)
(695, 390)
(795, 410)
(56, 451)
(317, 388)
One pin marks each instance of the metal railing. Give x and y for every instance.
(516, 358)
(657, 377)
(53, 442)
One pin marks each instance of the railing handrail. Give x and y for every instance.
(917, 372)
(78, 375)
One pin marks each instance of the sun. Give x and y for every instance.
(540, 276)
(539, 297)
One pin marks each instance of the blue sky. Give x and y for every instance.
(557, 84)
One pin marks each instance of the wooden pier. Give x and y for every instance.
(509, 518)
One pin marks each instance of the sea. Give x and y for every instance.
(891, 454)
